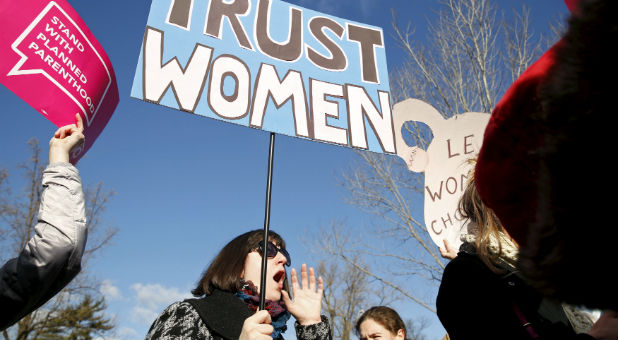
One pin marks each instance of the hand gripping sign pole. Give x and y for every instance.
(269, 183)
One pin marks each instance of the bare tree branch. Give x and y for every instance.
(464, 64)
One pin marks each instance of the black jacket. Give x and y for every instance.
(475, 303)
(220, 315)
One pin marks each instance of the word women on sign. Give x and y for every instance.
(244, 60)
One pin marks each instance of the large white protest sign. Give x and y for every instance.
(269, 65)
(445, 162)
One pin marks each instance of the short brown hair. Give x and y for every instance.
(385, 316)
(225, 270)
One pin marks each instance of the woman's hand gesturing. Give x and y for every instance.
(307, 301)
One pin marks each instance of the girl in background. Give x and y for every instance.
(380, 322)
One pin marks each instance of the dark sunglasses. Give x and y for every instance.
(272, 250)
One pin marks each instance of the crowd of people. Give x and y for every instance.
(529, 266)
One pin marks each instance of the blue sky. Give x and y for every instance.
(186, 184)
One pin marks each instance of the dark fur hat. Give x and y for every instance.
(544, 165)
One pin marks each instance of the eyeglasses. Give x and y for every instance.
(272, 250)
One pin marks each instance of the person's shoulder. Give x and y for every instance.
(466, 270)
(465, 261)
(178, 319)
(179, 310)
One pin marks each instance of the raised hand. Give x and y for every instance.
(257, 327)
(448, 252)
(65, 139)
(307, 301)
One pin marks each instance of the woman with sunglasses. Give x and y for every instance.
(228, 297)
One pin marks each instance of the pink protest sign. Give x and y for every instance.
(52, 61)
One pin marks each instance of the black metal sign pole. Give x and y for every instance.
(267, 220)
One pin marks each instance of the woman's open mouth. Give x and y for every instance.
(279, 277)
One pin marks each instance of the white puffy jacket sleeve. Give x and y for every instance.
(52, 257)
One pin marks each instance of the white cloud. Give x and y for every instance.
(144, 315)
(110, 291)
(127, 333)
(152, 299)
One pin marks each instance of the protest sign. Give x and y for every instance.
(52, 61)
(445, 163)
(269, 65)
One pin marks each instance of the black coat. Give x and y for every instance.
(475, 303)
(220, 315)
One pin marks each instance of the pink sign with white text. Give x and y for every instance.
(52, 61)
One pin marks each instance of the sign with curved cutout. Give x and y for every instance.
(445, 162)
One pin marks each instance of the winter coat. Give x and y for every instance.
(52, 257)
(475, 303)
(218, 316)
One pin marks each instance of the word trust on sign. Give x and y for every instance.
(53, 62)
(269, 65)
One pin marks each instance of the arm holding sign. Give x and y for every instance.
(52, 257)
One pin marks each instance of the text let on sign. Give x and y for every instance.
(446, 163)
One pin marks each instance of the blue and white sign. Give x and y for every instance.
(269, 65)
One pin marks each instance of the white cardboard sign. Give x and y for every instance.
(445, 163)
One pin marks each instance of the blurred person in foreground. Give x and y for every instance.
(482, 295)
(545, 168)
